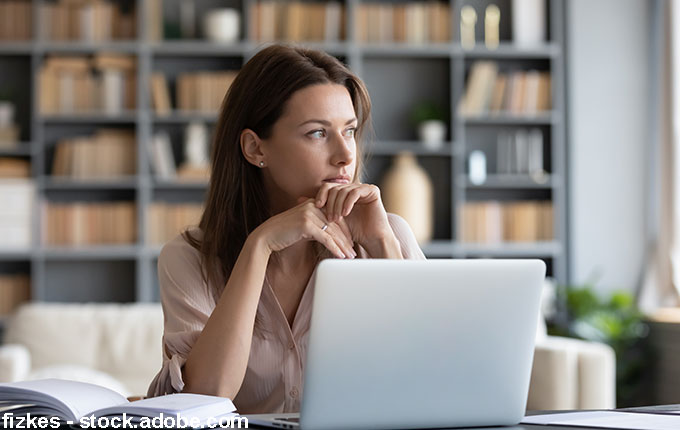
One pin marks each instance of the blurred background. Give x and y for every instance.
(503, 129)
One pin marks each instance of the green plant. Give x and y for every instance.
(614, 320)
(427, 110)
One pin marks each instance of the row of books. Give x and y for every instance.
(297, 21)
(86, 20)
(520, 152)
(16, 22)
(496, 222)
(105, 83)
(412, 22)
(15, 289)
(517, 92)
(14, 167)
(109, 153)
(87, 223)
(196, 92)
(167, 220)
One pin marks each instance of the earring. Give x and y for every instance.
(261, 163)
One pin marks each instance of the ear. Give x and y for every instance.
(251, 147)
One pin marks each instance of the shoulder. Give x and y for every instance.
(178, 250)
(186, 298)
(407, 240)
(180, 271)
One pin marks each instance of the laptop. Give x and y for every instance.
(405, 344)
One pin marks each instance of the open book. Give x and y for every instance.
(90, 405)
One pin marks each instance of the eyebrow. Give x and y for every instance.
(326, 123)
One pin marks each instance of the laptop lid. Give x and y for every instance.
(421, 343)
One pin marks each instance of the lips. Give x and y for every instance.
(338, 180)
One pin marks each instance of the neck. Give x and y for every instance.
(295, 258)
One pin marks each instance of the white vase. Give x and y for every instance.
(477, 167)
(528, 22)
(432, 133)
(222, 25)
(407, 191)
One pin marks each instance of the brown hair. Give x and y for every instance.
(236, 202)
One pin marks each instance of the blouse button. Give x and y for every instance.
(294, 392)
(291, 346)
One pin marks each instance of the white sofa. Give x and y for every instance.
(119, 346)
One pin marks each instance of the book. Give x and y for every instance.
(14, 290)
(160, 94)
(89, 405)
(14, 168)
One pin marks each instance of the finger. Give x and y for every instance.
(330, 202)
(314, 231)
(336, 207)
(302, 199)
(341, 239)
(340, 200)
(322, 195)
(342, 224)
(351, 200)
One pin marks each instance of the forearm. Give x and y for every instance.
(218, 360)
(386, 246)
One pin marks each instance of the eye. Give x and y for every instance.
(350, 132)
(317, 134)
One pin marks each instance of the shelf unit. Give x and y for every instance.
(127, 273)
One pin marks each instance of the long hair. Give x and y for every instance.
(236, 200)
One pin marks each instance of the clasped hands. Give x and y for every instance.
(337, 217)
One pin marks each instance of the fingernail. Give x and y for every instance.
(342, 255)
(318, 203)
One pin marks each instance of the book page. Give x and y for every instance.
(608, 420)
(198, 405)
(71, 399)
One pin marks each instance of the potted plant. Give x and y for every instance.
(430, 119)
(614, 320)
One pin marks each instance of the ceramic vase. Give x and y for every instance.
(407, 191)
(528, 22)
(432, 133)
(222, 25)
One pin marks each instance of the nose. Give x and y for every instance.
(343, 150)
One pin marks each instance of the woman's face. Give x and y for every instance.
(311, 143)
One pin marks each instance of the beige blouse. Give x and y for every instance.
(274, 378)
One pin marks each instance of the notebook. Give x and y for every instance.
(48, 402)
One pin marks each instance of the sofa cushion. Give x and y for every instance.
(80, 374)
(130, 344)
(122, 340)
(56, 333)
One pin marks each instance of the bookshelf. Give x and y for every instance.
(126, 272)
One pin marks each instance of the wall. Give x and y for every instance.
(608, 84)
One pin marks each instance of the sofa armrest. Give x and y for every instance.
(572, 374)
(597, 376)
(15, 362)
(553, 383)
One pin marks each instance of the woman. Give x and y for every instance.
(284, 194)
